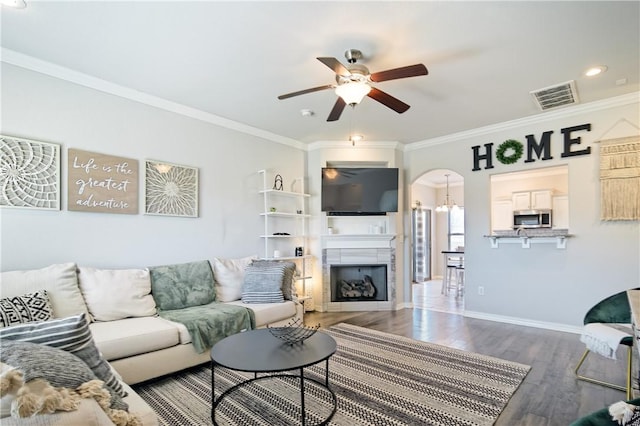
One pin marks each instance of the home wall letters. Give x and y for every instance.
(511, 151)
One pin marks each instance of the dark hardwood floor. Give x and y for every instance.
(550, 394)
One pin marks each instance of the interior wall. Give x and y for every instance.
(43, 108)
(542, 283)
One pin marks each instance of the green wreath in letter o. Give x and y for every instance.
(515, 156)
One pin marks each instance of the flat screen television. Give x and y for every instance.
(359, 191)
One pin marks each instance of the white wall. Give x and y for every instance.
(541, 284)
(35, 106)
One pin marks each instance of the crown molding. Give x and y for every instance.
(358, 145)
(604, 104)
(43, 67)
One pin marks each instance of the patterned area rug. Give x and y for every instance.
(379, 379)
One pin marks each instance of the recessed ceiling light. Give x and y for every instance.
(16, 4)
(592, 72)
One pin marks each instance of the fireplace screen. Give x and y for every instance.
(358, 283)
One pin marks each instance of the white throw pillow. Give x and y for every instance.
(60, 281)
(113, 294)
(228, 275)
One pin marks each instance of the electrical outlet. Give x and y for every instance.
(481, 290)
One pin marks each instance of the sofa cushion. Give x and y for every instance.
(58, 367)
(30, 307)
(182, 285)
(288, 283)
(116, 294)
(268, 313)
(229, 277)
(133, 336)
(60, 281)
(71, 334)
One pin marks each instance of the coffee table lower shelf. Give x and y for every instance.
(259, 352)
(257, 378)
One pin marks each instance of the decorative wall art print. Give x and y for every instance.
(29, 174)
(101, 183)
(171, 189)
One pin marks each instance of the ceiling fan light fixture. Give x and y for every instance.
(352, 93)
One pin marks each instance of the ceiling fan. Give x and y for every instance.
(354, 83)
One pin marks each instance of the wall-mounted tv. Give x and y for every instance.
(359, 191)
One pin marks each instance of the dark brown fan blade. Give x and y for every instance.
(396, 73)
(387, 100)
(335, 65)
(338, 107)
(302, 92)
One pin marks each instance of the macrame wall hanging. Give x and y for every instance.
(620, 179)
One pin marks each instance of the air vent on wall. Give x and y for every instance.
(556, 96)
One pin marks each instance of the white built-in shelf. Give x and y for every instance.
(306, 256)
(284, 193)
(285, 214)
(281, 236)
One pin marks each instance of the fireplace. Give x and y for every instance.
(358, 278)
(352, 283)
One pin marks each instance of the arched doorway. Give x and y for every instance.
(437, 226)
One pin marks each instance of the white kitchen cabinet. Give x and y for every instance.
(501, 215)
(532, 200)
(560, 218)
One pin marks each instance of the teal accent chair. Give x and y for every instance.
(613, 309)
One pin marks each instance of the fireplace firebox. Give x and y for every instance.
(351, 283)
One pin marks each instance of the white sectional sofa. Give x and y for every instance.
(127, 326)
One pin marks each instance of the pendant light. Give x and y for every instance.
(448, 204)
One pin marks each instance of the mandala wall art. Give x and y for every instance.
(29, 174)
(171, 189)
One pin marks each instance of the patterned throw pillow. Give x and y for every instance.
(263, 283)
(58, 367)
(71, 334)
(30, 307)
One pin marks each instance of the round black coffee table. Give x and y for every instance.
(258, 351)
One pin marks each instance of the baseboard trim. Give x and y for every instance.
(523, 321)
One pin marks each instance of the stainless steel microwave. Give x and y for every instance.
(532, 219)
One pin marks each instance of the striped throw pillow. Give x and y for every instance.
(263, 283)
(71, 334)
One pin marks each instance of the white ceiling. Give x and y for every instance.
(232, 59)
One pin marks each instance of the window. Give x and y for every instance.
(456, 228)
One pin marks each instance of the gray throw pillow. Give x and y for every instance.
(71, 334)
(183, 285)
(30, 307)
(263, 283)
(60, 368)
(288, 285)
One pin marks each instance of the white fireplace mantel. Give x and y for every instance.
(330, 241)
